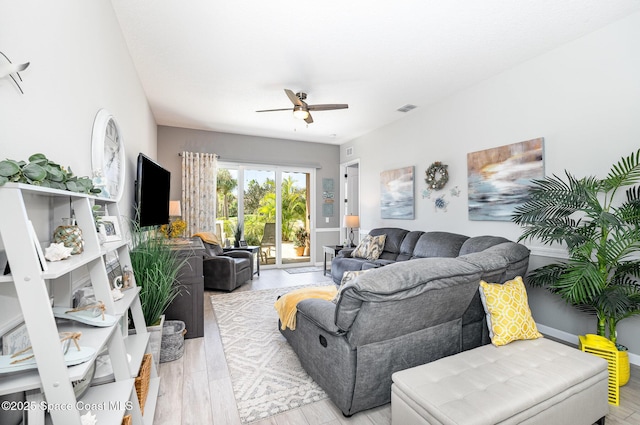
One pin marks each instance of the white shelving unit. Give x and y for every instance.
(25, 296)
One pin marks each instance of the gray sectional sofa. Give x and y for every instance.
(403, 245)
(412, 311)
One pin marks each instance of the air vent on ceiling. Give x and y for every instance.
(349, 151)
(406, 108)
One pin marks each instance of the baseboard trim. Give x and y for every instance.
(634, 359)
(545, 251)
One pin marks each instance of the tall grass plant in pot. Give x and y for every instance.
(598, 221)
(155, 267)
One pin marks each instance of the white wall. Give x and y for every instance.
(583, 98)
(79, 64)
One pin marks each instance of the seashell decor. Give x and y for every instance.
(57, 252)
(89, 418)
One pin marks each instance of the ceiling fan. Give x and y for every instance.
(301, 108)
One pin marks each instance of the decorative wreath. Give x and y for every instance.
(437, 176)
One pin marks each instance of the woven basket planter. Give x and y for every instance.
(172, 345)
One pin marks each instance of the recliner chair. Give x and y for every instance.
(225, 271)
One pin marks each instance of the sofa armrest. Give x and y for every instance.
(219, 264)
(238, 254)
(320, 312)
(345, 252)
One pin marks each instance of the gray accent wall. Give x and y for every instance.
(583, 98)
(324, 158)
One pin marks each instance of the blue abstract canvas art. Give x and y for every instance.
(499, 178)
(396, 193)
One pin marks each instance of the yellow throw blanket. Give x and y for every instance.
(208, 237)
(287, 305)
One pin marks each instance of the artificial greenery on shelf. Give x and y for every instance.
(43, 172)
(600, 228)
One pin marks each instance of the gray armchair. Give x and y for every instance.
(225, 271)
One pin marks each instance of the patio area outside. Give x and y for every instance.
(289, 255)
(248, 208)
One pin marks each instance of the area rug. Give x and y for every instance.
(266, 375)
(296, 270)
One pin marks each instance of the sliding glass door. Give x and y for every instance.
(260, 213)
(272, 204)
(295, 217)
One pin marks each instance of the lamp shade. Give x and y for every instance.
(174, 209)
(352, 221)
(300, 112)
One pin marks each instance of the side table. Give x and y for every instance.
(253, 249)
(331, 250)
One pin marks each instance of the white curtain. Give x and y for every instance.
(199, 171)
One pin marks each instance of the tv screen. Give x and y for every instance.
(152, 192)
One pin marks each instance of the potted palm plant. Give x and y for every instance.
(600, 228)
(300, 240)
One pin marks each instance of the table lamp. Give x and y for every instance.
(351, 222)
(174, 209)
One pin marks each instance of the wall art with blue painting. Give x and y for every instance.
(499, 178)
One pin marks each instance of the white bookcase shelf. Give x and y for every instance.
(26, 292)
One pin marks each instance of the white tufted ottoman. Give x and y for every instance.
(525, 382)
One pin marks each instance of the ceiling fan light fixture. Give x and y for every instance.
(300, 112)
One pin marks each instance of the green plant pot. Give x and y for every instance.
(624, 370)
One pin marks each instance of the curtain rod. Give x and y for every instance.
(280, 163)
(217, 156)
(315, 165)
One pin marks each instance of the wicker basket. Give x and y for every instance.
(126, 420)
(142, 381)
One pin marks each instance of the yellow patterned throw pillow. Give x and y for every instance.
(508, 313)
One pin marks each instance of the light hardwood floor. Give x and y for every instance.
(196, 389)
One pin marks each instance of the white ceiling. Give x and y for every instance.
(210, 64)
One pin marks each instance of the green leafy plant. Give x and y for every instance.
(293, 205)
(237, 232)
(601, 231)
(155, 267)
(300, 237)
(41, 171)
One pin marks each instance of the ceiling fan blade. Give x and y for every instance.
(308, 120)
(328, 106)
(273, 110)
(293, 98)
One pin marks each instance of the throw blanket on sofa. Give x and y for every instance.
(208, 237)
(286, 305)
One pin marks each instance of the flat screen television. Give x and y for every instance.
(152, 192)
